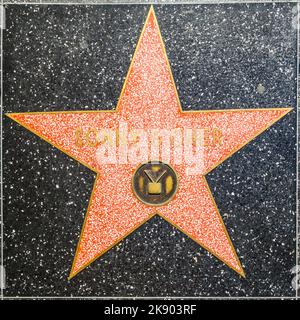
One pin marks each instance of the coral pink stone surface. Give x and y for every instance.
(149, 100)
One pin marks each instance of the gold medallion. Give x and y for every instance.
(154, 183)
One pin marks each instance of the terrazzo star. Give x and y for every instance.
(126, 195)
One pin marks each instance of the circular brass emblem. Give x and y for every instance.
(154, 183)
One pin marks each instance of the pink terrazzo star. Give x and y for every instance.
(149, 100)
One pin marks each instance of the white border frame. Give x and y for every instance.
(147, 2)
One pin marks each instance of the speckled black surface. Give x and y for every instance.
(76, 58)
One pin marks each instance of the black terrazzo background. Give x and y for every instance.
(76, 58)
